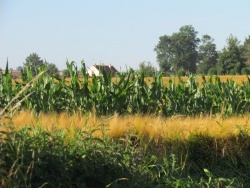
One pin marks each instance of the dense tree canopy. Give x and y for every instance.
(207, 56)
(178, 52)
(246, 55)
(183, 52)
(34, 62)
(231, 60)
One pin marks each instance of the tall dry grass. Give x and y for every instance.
(239, 79)
(152, 127)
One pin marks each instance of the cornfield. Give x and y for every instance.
(112, 132)
(129, 93)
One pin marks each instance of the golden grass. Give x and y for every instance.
(237, 78)
(153, 127)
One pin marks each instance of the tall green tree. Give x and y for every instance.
(33, 62)
(207, 55)
(246, 55)
(231, 60)
(178, 52)
(147, 68)
(52, 70)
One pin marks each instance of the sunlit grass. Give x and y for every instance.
(239, 79)
(152, 127)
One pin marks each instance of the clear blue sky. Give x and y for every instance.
(118, 32)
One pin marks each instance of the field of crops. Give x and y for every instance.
(130, 94)
(128, 131)
(223, 78)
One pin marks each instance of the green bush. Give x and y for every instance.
(32, 157)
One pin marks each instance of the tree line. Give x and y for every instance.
(34, 63)
(183, 53)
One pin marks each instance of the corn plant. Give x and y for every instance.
(7, 88)
(129, 94)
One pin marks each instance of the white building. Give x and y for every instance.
(99, 69)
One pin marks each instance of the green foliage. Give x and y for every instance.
(33, 62)
(231, 59)
(127, 94)
(33, 157)
(66, 73)
(246, 55)
(207, 55)
(6, 87)
(52, 70)
(212, 71)
(178, 51)
(148, 69)
(183, 53)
